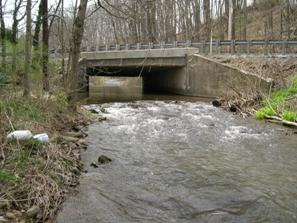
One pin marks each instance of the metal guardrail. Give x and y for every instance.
(201, 45)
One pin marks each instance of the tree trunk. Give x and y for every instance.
(2, 34)
(206, 12)
(77, 34)
(35, 41)
(245, 20)
(62, 42)
(45, 38)
(197, 18)
(230, 20)
(14, 34)
(27, 50)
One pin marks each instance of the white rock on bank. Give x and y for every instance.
(20, 135)
(43, 138)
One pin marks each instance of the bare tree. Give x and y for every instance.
(2, 34)
(77, 35)
(230, 19)
(27, 49)
(14, 40)
(45, 40)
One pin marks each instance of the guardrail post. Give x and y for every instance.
(284, 47)
(97, 48)
(106, 47)
(232, 47)
(175, 44)
(127, 46)
(162, 45)
(248, 47)
(88, 49)
(188, 43)
(266, 47)
(217, 47)
(138, 46)
(203, 46)
(150, 45)
(118, 47)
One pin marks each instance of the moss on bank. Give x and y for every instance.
(280, 103)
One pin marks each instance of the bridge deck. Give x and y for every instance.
(138, 58)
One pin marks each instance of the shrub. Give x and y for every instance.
(276, 103)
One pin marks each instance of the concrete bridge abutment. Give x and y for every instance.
(178, 71)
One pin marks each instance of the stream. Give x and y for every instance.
(184, 161)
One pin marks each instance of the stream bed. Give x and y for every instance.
(177, 161)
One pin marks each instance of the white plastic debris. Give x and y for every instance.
(20, 135)
(43, 138)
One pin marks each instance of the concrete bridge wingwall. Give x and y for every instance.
(178, 71)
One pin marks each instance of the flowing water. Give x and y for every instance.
(181, 161)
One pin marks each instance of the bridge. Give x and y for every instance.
(172, 69)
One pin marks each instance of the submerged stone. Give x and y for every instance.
(104, 159)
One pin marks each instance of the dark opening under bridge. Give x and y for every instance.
(169, 68)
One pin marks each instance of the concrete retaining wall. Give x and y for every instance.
(206, 78)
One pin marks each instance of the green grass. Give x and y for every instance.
(4, 79)
(274, 104)
(289, 116)
(32, 145)
(27, 109)
(265, 111)
(23, 158)
(6, 176)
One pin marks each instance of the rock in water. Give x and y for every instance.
(103, 110)
(233, 108)
(216, 103)
(104, 159)
(101, 119)
(94, 165)
(94, 111)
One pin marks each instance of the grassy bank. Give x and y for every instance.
(281, 103)
(35, 177)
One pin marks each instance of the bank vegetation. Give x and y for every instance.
(39, 92)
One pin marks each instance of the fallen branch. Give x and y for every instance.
(280, 120)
